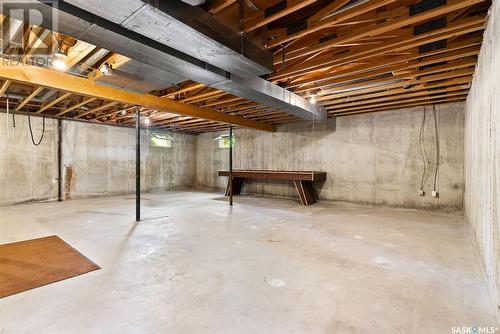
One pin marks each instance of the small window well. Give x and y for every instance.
(161, 140)
(223, 141)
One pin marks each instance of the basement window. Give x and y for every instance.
(223, 141)
(161, 140)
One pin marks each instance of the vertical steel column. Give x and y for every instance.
(231, 165)
(138, 166)
(59, 161)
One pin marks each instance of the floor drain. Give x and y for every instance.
(276, 283)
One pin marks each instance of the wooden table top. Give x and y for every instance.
(276, 174)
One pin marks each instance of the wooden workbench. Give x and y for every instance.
(303, 181)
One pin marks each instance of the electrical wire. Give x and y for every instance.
(10, 133)
(313, 141)
(437, 147)
(13, 113)
(423, 152)
(31, 131)
(7, 123)
(14, 118)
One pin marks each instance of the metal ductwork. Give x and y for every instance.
(185, 28)
(91, 28)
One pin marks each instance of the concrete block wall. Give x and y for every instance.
(102, 159)
(482, 156)
(371, 158)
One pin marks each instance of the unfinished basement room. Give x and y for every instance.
(250, 166)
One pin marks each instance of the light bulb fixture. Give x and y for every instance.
(313, 99)
(106, 69)
(59, 62)
(147, 120)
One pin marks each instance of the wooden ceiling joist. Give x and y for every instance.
(393, 104)
(384, 65)
(464, 81)
(382, 84)
(30, 97)
(76, 106)
(260, 19)
(5, 86)
(54, 102)
(397, 97)
(184, 90)
(402, 105)
(387, 26)
(355, 57)
(411, 72)
(96, 109)
(458, 28)
(64, 82)
(220, 5)
(314, 25)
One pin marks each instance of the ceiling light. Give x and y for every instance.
(147, 120)
(313, 99)
(106, 69)
(59, 62)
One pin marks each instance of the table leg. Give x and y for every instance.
(237, 186)
(306, 192)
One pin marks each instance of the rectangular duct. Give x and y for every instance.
(188, 29)
(86, 26)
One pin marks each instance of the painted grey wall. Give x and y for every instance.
(102, 158)
(482, 155)
(371, 158)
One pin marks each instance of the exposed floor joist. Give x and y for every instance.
(349, 56)
(45, 78)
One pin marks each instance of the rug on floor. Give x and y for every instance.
(33, 263)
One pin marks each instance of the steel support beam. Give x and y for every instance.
(138, 166)
(59, 161)
(231, 164)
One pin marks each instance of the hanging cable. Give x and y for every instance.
(423, 152)
(13, 118)
(437, 148)
(313, 140)
(31, 131)
(10, 132)
(7, 111)
(13, 113)
(8, 126)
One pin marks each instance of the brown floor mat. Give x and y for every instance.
(32, 263)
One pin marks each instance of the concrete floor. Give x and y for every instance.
(266, 266)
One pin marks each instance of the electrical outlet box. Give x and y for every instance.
(421, 193)
(435, 193)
